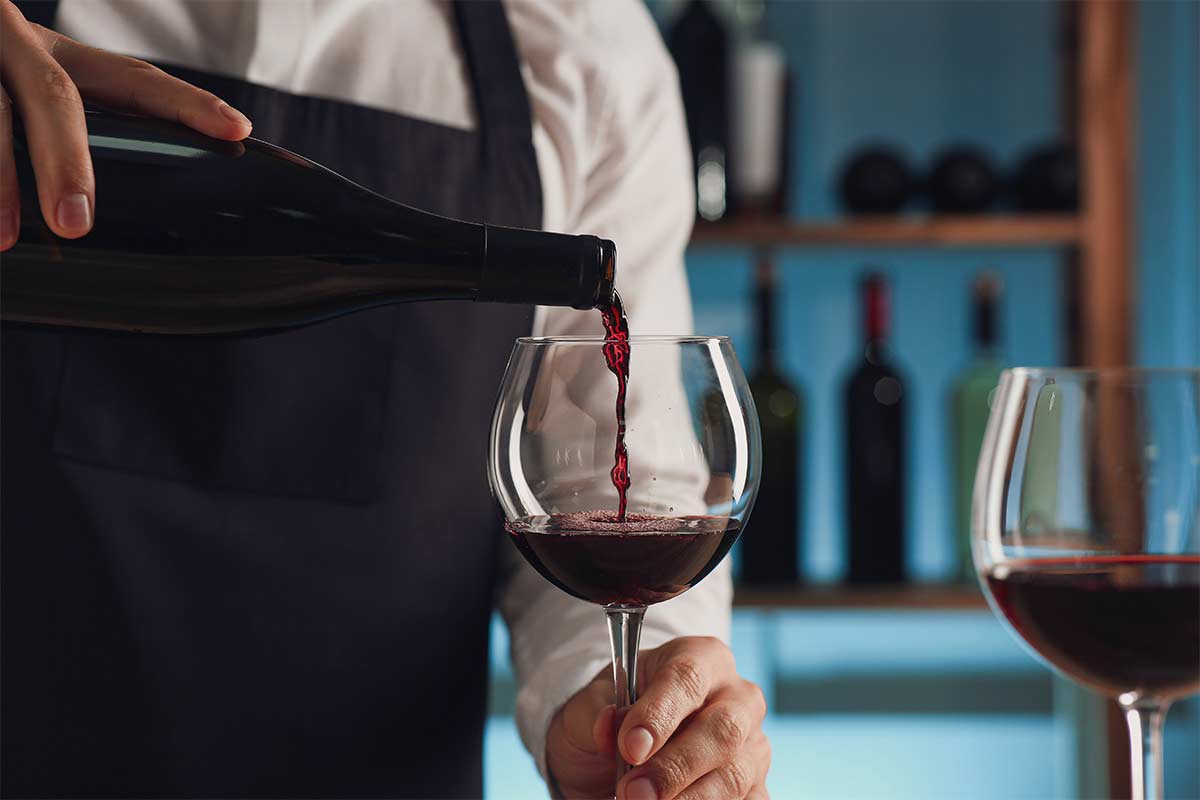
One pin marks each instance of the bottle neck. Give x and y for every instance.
(876, 351)
(988, 352)
(987, 342)
(526, 266)
(876, 316)
(765, 298)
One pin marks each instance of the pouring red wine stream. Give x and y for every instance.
(616, 356)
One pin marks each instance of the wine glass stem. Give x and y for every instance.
(624, 631)
(1145, 722)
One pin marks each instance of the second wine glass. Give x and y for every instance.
(1086, 535)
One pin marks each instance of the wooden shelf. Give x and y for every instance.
(912, 597)
(939, 231)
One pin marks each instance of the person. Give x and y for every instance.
(265, 566)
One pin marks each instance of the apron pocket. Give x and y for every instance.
(295, 413)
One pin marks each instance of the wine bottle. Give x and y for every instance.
(195, 235)
(875, 180)
(875, 450)
(760, 128)
(963, 181)
(699, 41)
(971, 400)
(1047, 179)
(770, 552)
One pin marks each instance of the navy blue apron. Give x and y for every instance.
(264, 566)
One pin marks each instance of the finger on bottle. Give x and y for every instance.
(131, 85)
(51, 110)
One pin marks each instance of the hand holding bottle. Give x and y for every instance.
(45, 77)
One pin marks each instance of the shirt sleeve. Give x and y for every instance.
(624, 173)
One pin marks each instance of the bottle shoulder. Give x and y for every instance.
(981, 375)
(875, 384)
(870, 371)
(772, 379)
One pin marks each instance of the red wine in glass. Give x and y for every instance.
(1116, 623)
(616, 357)
(641, 560)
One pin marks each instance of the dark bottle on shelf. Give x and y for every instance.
(700, 43)
(963, 181)
(875, 180)
(1047, 179)
(875, 450)
(770, 550)
(195, 235)
(971, 402)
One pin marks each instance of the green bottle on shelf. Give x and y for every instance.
(770, 552)
(971, 402)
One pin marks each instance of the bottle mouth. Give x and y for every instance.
(607, 269)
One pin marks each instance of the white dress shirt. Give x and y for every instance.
(612, 151)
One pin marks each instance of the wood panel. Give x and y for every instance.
(1013, 230)
(1106, 149)
(909, 596)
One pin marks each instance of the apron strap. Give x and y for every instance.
(491, 55)
(505, 120)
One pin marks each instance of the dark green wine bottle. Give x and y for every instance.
(195, 235)
(971, 402)
(770, 554)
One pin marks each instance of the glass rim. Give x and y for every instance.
(1110, 373)
(647, 339)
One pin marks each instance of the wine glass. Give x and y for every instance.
(693, 471)
(1086, 535)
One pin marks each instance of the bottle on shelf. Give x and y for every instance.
(963, 180)
(970, 402)
(1047, 179)
(700, 43)
(875, 449)
(875, 180)
(195, 235)
(770, 553)
(760, 121)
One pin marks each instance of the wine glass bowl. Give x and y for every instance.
(1086, 534)
(692, 438)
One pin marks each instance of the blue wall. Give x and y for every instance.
(1169, 163)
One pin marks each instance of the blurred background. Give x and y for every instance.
(1019, 180)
